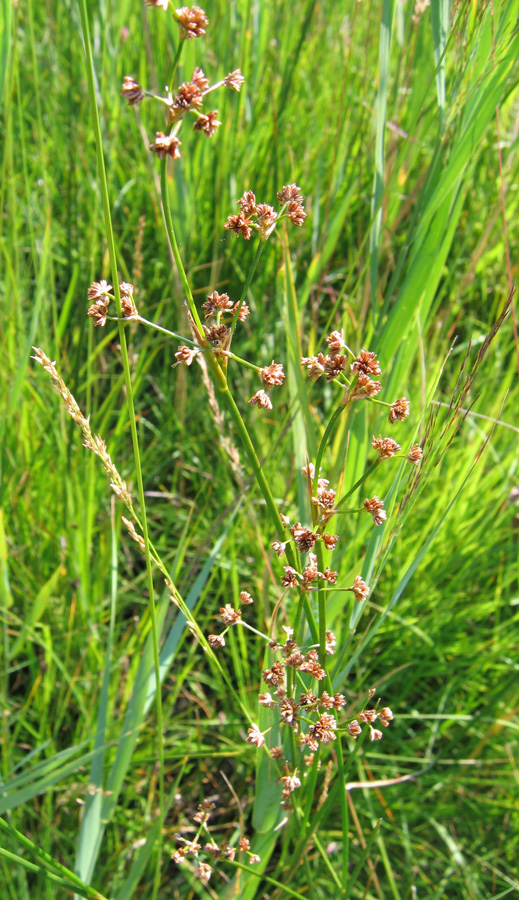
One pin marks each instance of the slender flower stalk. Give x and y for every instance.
(131, 412)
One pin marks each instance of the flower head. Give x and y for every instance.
(375, 508)
(415, 454)
(132, 91)
(184, 355)
(386, 447)
(234, 80)
(367, 363)
(192, 21)
(166, 145)
(359, 588)
(207, 123)
(239, 225)
(272, 374)
(399, 410)
(261, 399)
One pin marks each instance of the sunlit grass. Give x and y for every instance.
(444, 655)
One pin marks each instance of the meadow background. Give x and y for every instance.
(403, 136)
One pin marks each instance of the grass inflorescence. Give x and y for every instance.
(265, 255)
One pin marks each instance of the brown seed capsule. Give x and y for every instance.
(166, 145)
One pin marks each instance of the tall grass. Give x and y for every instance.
(394, 129)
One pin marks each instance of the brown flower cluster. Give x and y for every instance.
(229, 616)
(192, 21)
(359, 383)
(189, 97)
(100, 293)
(262, 217)
(271, 376)
(215, 852)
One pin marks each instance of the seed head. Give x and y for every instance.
(247, 204)
(335, 342)
(272, 374)
(99, 290)
(255, 736)
(331, 643)
(289, 579)
(334, 365)
(166, 145)
(266, 701)
(330, 540)
(98, 312)
(359, 588)
(132, 91)
(189, 97)
(266, 219)
(127, 302)
(159, 4)
(324, 729)
(274, 675)
(243, 313)
(330, 576)
(216, 303)
(296, 213)
(289, 192)
(198, 78)
(207, 123)
(354, 729)
(192, 21)
(399, 410)
(367, 363)
(184, 355)
(315, 365)
(228, 615)
(219, 336)
(204, 872)
(363, 389)
(234, 80)
(288, 710)
(368, 716)
(375, 508)
(375, 734)
(386, 447)
(216, 641)
(243, 844)
(279, 547)
(261, 399)
(311, 665)
(304, 538)
(308, 700)
(415, 454)
(385, 716)
(245, 598)
(239, 225)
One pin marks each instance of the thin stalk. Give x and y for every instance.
(324, 441)
(131, 412)
(248, 283)
(174, 64)
(49, 863)
(45, 873)
(174, 244)
(357, 484)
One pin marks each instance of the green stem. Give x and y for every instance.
(175, 63)
(248, 283)
(324, 441)
(174, 245)
(357, 484)
(129, 399)
(51, 865)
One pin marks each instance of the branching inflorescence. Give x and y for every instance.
(299, 689)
